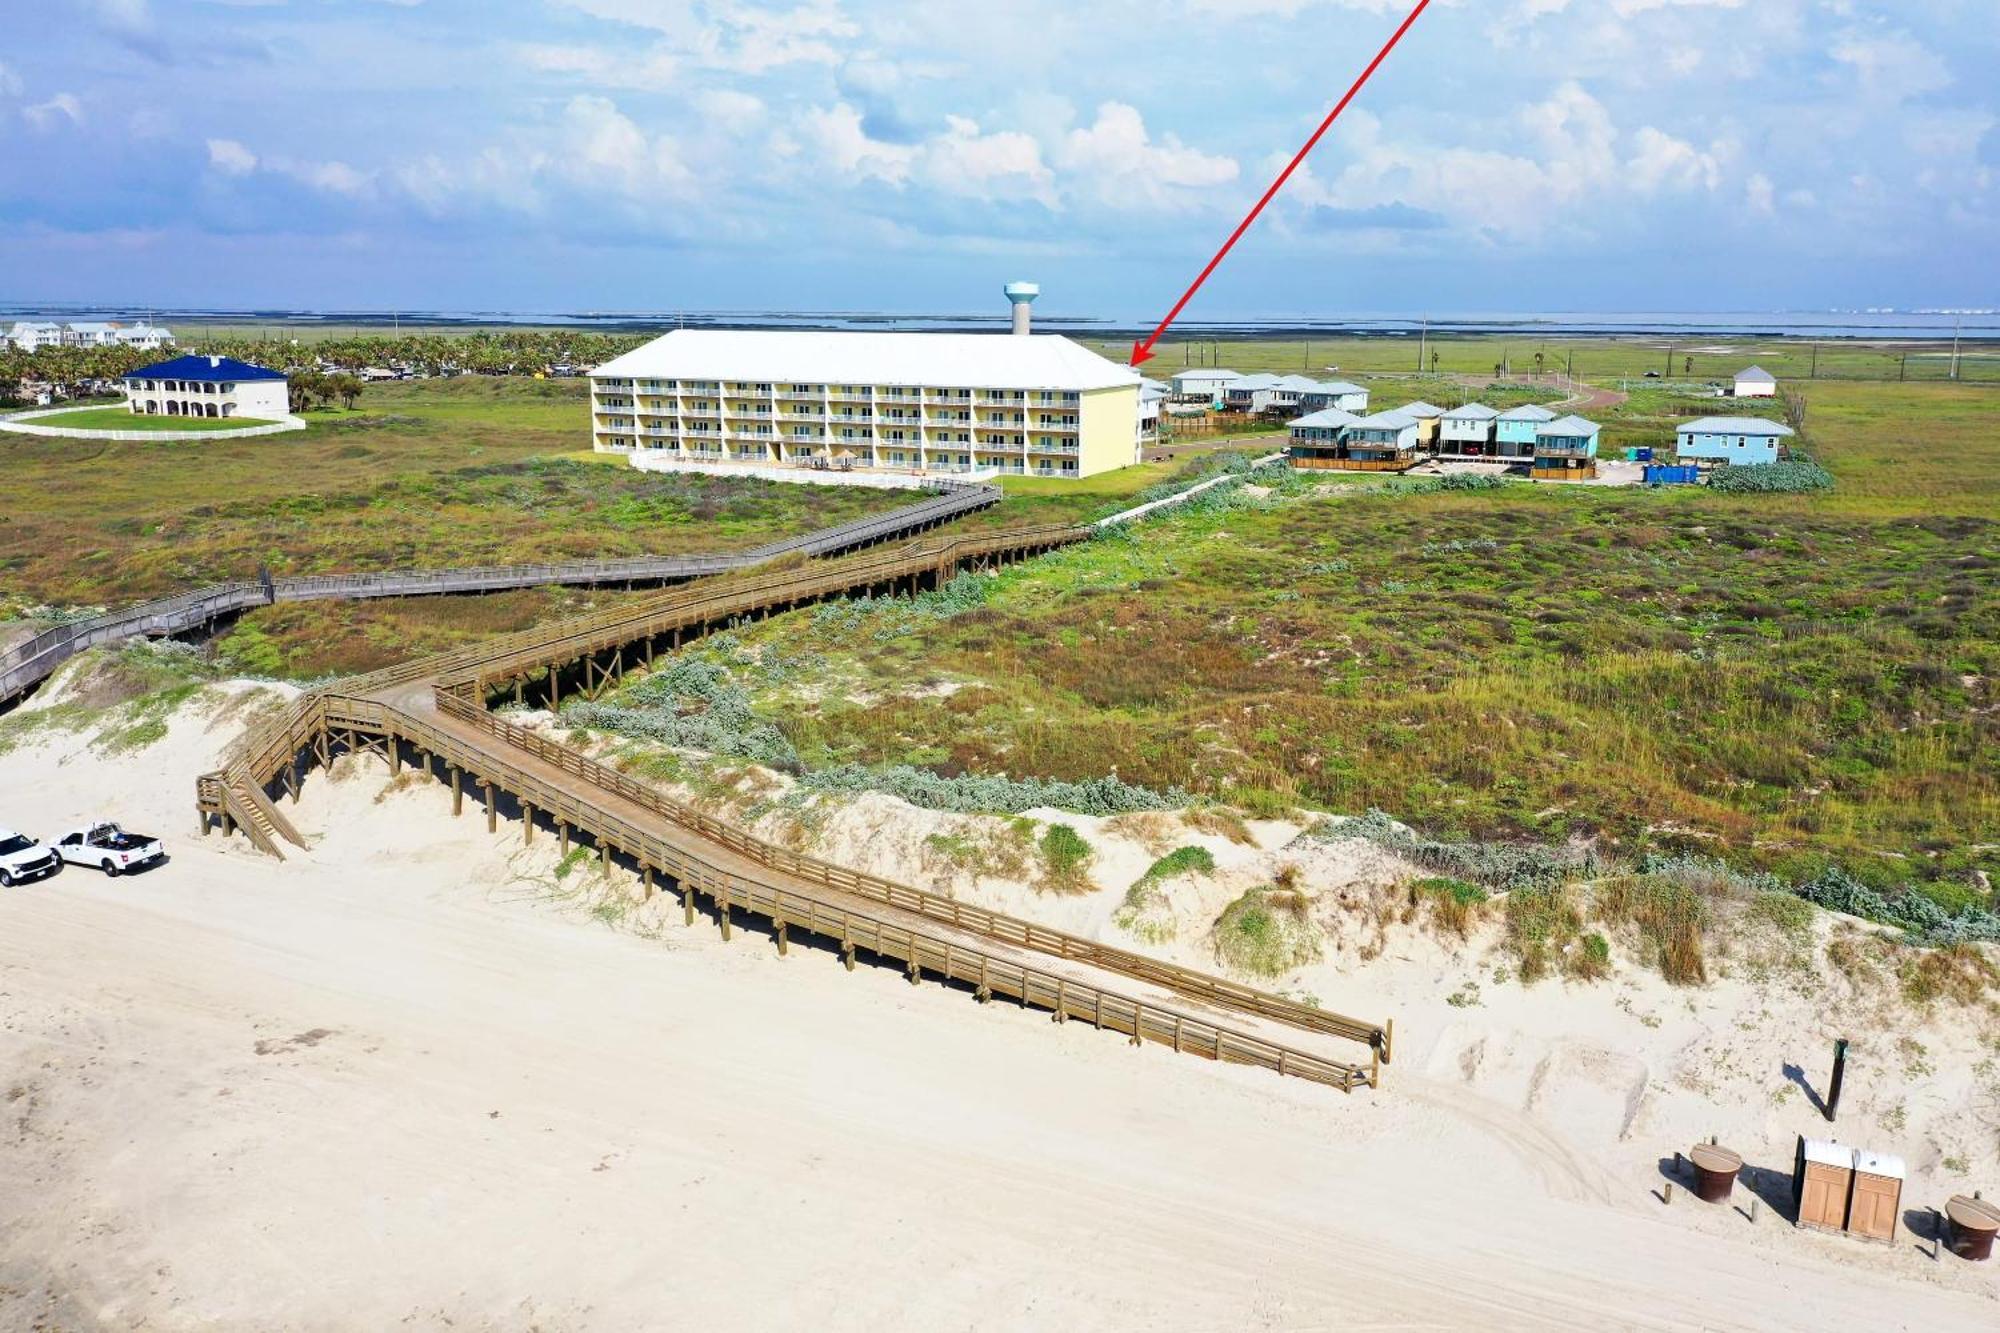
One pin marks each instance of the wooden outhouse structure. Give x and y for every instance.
(1877, 1198)
(1822, 1179)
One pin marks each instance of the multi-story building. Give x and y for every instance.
(924, 402)
(208, 386)
(1209, 382)
(1514, 430)
(1565, 450)
(1427, 418)
(1467, 431)
(34, 335)
(1338, 394)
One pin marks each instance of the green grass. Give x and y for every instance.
(117, 418)
(1791, 681)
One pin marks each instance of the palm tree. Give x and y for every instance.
(1538, 365)
(1434, 361)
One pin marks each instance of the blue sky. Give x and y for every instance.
(862, 154)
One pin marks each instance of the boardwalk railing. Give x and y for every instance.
(29, 663)
(438, 704)
(993, 925)
(922, 953)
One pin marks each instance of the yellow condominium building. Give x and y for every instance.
(1031, 404)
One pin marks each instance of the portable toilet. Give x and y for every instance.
(1878, 1196)
(1822, 1178)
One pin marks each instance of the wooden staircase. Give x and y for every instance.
(258, 817)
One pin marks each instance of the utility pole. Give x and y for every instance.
(1815, 362)
(1670, 361)
(1423, 346)
(1957, 324)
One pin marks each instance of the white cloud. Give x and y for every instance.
(1118, 161)
(230, 157)
(738, 37)
(837, 132)
(1660, 161)
(605, 67)
(63, 106)
(964, 161)
(1760, 194)
(10, 82)
(731, 110)
(1892, 66)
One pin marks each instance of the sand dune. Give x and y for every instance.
(396, 1082)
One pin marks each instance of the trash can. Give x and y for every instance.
(1973, 1224)
(1715, 1171)
(1645, 455)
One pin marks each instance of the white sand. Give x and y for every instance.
(389, 1084)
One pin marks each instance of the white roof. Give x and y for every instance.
(1528, 412)
(1258, 381)
(1568, 426)
(1149, 390)
(1878, 1164)
(93, 326)
(973, 360)
(1829, 1152)
(1471, 412)
(1208, 373)
(1420, 409)
(1340, 387)
(1757, 375)
(1398, 420)
(1332, 419)
(1299, 382)
(1734, 426)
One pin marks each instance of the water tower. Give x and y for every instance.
(1023, 295)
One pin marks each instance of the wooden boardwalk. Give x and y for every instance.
(27, 664)
(435, 713)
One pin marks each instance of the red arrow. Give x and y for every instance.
(1143, 351)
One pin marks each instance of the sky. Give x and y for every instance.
(803, 155)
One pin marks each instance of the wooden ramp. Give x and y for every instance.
(435, 713)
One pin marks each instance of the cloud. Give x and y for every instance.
(47, 115)
(1660, 161)
(1760, 195)
(1118, 162)
(1891, 66)
(604, 67)
(743, 38)
(10, 82)
(1388, 217)
(230, 157)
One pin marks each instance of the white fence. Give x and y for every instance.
(24, 423)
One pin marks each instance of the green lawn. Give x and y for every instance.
(118, 418)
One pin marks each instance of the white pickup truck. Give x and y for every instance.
(109, 848)
(23, 860)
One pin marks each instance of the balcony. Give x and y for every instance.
(1561, 448)
(1069, 450)
(793, 396)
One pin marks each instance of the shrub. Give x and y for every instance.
(1792, 476)
(1499, 866)
(1454, 904)
(1959, 973)
(1591, 961)
(1542, 922)
(694, 704)
(1181, 861)
(985, 794)
(1266, 932)
(1066, 859)
(1670, 918)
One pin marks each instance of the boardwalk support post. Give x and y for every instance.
(527, 823)
(457, 793)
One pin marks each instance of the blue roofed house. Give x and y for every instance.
(208, 386)
(1467, 432)
(1385, 442)
(1334, 393)
(1743, 441)
(1317, 439)
(1514, 430)
(1566, 450)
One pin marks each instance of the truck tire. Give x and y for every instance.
(6, 880)
(111, 869)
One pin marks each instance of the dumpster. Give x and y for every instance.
(1876, 1199)
(1645, 455)
(1973, 1224)
(1715, 1171)
(1822, 1178)
(1660, 474)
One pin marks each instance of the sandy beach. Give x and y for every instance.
(408, 1078)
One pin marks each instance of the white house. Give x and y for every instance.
(1251, 393)
(1152, 396)
(1210, 382)
(146, 337)
(1756, 382)
(34, 335)
(90, 333)
(1336, 394)
(207, 386)
(1467, 431)
(1738, 440)
(1386, 437)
